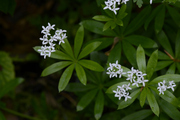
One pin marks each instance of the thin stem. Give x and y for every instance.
(18, 114)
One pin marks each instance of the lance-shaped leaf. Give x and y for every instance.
(66, 76)
(57, 54)
(99, 105)
(143, 96)
(151, 65)
(167, 96)
(133, 96)
(152, 15)
(167, 78)
(171, 69)
(152, 102)
(10, 85)
(130, 53)
(138, 21)
(141, 60)
(97, 27)
(55, 67)
(178, 66)
(78, 87)
(81, 73)
(88, 49)
(122, 12)
(159, 20)
(91, 65)
(78, 40)
(163, 40)
(174, 14)
(86, 99)
(67, 48)
(102, 18)
(115, 53)
(162, 64)
(170, 110)
(177, 44)
(163, 56)
(145, 42)
(140, 115)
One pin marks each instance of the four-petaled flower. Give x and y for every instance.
(163, 87)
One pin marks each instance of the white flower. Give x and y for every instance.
(150, 1)
(50, 26)
(122, 91)
(136, 82)
(115, 69)
(60, 35)
(171, 85)
(124, 1)
(162, 87)
(44, 51)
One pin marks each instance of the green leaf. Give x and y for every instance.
(130, 53)
(143, 96)
(170, 110)
(159, 20)
(99, 105)
(107, 25)
(167, 96)
(174, 14)
(67, 48)
(10, 85)
(88, 49)
(122, 13)
(140, 115)
(141, 60)
(81, 74)
(2, 117)
(163, 40)
(138, 21)
(115, 54)
(151, 65)
(66, 76)
(177, 44)
(105, 42)
(167, 78)
(6, 68)
(78, 87)
(97, 27)
(57, 54)
(171, 69)
(152, 15)
(78, 40)
(86, 99)
(91, 65)
(55, 67)
(133, 96)
(162, 64)
(102, 18)
(152, 102)
(145, 42)
(163, 56)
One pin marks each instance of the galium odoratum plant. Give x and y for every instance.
(69, 59)
(141, 83)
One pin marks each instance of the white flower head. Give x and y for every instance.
(122, 91)
(162, 87)
(114, 70)
(171, 85)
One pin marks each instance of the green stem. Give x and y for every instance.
(18, 114)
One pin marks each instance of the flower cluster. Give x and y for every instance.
(115, 69)
(163, 87)
(135, 77)
(122, 91)
(48, 39)
(111, 4)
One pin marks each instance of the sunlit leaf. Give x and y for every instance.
(141, 61)
(101, 18)
(143, 95)
(81, 73)
(67, 47)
